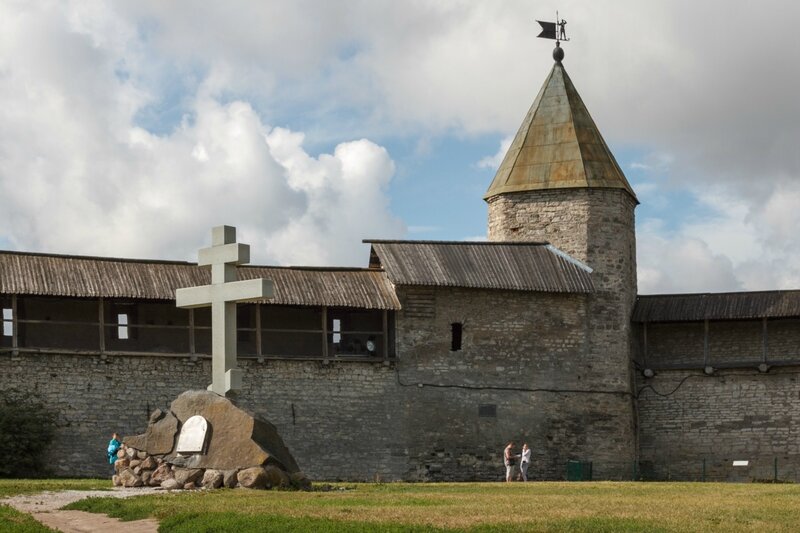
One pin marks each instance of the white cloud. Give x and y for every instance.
(80, 82)
(677, 263)
(493, 161)
(346, 201)
(728, 246)
(78, 176)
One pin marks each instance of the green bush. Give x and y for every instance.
(27, 428)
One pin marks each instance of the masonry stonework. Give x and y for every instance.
(527, 355)
(595, 226)
(524, 356)
(338, 420)
(692, 426)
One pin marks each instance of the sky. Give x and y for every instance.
(129, 129)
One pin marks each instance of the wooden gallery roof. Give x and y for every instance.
(511, 266)
(95, 277)
(717, 306)
(522, 266)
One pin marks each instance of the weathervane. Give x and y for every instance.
(557, 31)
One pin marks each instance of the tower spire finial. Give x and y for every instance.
(556, 31)
(558, 53)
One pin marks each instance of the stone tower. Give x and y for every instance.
(560, 183)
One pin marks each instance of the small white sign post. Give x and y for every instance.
(222, 295)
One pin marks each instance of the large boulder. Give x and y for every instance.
(230, 479)
(160, 474)
(235, 438)
(129, 479)
(300, 481)
(212, 479)
(170, 484)
(187, 475)
(252, 478)
(121, 464)
(159, 439)
(276, 477)
(204, 431)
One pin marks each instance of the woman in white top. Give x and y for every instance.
(525, 460)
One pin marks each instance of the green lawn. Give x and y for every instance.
(479, 507)
(12, 487)
(14, 521)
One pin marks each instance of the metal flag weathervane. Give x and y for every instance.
(554, 30)
(557, 31)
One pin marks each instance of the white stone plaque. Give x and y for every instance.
(193, 435)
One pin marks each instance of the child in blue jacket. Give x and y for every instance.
(113, 447)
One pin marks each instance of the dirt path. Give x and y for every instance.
(44, 508)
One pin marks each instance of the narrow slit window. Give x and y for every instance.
(8, 322)
(455, 336)
(337, 330)
(122, 326)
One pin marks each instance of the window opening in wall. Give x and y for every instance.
(8, 322)
(356, 332)
(488, 410)
(455, 336)
(122, 326)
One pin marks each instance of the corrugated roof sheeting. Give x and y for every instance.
(720, 306)
(513, 266)
(89, 277)
(558, 146)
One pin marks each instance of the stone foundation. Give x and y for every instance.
(136, 468)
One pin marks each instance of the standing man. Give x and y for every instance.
(524, 462)
(508, 459)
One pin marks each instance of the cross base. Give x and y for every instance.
(233, 382)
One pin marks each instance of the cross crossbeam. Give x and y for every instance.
(222, 296)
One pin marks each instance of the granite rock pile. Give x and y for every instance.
(234, 449)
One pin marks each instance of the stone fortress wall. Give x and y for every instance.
(693, 425)
(525, 373)
(432, 413)
(337, 419)
(595, 226)
(371, 420)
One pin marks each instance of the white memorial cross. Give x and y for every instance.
(222, 295)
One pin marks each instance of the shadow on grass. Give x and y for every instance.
(600, 525)
(230, 521)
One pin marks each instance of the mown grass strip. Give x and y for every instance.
(476, 507)
(12, 521)
(230, 521)
(14, 487)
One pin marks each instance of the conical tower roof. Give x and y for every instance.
(558, 146)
